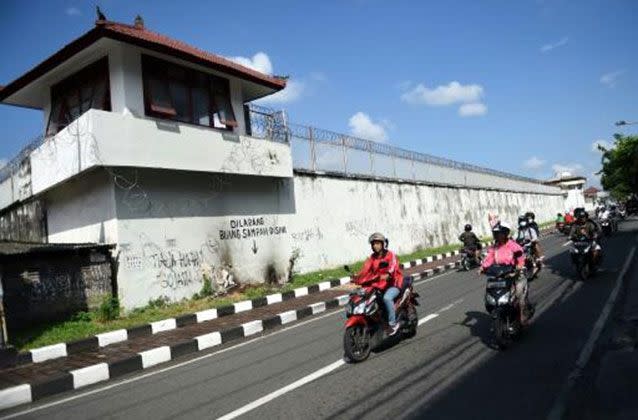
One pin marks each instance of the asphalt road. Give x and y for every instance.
(447, 371)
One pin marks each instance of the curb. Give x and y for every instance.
(54, 351)
(100, 372)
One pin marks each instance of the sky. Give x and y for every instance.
(526, 86)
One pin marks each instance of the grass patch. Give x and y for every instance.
(108, 317)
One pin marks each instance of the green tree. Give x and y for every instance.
(620, 167)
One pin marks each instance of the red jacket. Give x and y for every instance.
(371, 270)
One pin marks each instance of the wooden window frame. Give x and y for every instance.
(91, 75)
(159, 69)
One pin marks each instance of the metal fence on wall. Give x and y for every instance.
(12, 166)
(320, 150)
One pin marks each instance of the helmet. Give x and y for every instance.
(580, 213)
(376, 236)
(530, 215)
(468, 227)
(501, 227)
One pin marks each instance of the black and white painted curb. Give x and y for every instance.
(94, 343)
(78, 378)
(55, 351)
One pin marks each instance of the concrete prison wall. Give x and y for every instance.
(335, 215)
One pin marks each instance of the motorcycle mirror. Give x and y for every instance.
(347, 268)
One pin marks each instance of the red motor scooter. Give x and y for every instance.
(367, 319)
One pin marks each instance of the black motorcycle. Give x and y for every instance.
(530, 260)
(582, 254)
(503, 305)
(469, 259)
(606, 226)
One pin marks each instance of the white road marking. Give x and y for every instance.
(281, 391)
(203, 342)
(558, 409)
(297, 384)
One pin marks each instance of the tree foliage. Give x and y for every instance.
(620, 167)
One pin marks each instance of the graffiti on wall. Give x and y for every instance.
(250, 227)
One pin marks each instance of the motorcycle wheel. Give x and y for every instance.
(356, 343)
(501, 336)
(584, 271)
(413, 323)
(465, 263)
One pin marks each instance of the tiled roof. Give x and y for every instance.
(145, 38)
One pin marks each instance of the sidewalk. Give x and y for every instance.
(29, 382)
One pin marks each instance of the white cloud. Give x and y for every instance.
(572, 168)
(293, 91)
(610, 79)
(534, 163)
(443, 95)
(549, 47)
(604, 143)
(472, 110)
(73, 11)
(260, 62)
(362, 126)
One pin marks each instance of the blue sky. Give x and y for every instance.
(523, 86)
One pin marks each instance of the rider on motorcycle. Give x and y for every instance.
(532, 222)
(383, 271)
(471, 241)
(527, 233)
(583, 225)
(505, 251)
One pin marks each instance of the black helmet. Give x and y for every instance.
(501, 227)
(580, 213)
(468, 227)
(530, 215)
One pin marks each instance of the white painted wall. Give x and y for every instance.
(169, 227)
(334, 216)
(574, 199)
(101, 138)
(125, 74)
(82, 210)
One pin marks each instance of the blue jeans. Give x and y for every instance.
(388, 298)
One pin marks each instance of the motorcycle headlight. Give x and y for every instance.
(490, 299)
(504, 299)
(359, 309)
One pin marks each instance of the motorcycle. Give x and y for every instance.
(469, 259)
(503, 305)
(367, 319)
(606, 226)
(530, 261)
(582, 254)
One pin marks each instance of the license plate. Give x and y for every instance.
(496, 284)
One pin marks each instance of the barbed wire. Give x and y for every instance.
(275, 127)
